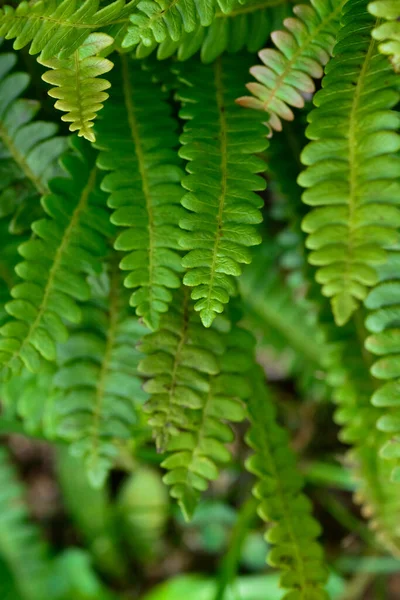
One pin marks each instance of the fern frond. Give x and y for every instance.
(196, 453)
(99, 390)
(352, 166)
(21, 547)
(64, 246)
(180, 357)
(223, 175)
(303, 48)
(388, 32)
(144, 187)
(155, 21)
(79, 90)
(28, 149)
(294, 531)
(55, 28)
(243, 27)
(382, 322)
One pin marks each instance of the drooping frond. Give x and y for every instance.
(28, 149)
(79, 90)
(65, 245)
(352, 166)
(21, 547)
(55, 28)
(155, 21)
(287, 74)
(137, 138)
(382, 322)
(198, 450)
(222, 205)
(99, 391)
(294, 531)
(245, 26)
(388, 32)
(180, 357)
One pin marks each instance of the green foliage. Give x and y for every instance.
(65, 245)
(388, 32)
(143, 187)
(282, 502)
(79, 91)
(303, 48)
(351, 162)
(222, 205)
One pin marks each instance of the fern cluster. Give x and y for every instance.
(125, 314)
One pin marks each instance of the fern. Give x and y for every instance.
(79, 91)
(244, 26)
(197, 451)
(21, 547)
(303, 48)
(282, 502)
(63, 247)
(99, 391)
(144, 188)
(388, 32)
(222, 176)
(28, 149)
(55, 28)
(352, 162)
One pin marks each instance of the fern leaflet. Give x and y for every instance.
(302, 51)
(79, 91)
(144, 188)
(63, 247)
(222, 206)
(352, 162)
(388, 32)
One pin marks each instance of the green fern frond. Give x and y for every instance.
(352, 166)
(79, 90)
(155, 21)
(181, 356)
(223, 175)
(382, 322)
(21, 547)
(65, 245)
(196, 453)
(245, 26)
(294, 531)
(99, 390)
(144, 187)
(303, 48)
(28, 149)
(55, 28)
(388, 32)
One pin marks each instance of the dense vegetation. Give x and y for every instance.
(200, 293)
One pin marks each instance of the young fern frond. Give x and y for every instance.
(155, 21)
(79, 90)
(303, 48)
(98, 390)
(55, 28)
(181, 356)
(64, 246)
(222, 205)
(28, 149)
(144, 187)
(388, 32)
(21, 547)
(382, 322)
(294, 531)
(352, 166)
(244, 26)
(198, 450)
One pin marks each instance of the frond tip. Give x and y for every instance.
(79, 91)
(303, 48)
